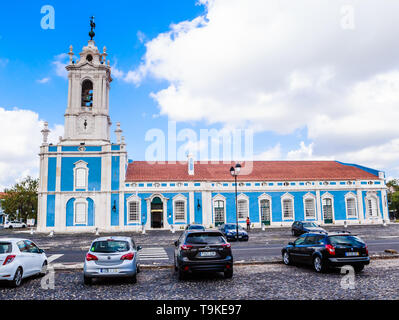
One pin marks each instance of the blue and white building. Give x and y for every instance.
(87, 182)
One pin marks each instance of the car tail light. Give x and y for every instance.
(226, 245)
(186, 268)
(185, 247)
(90, 257)
(128, 256)
(367, 250)
(330, 249)
(9, 259)
(228, 266)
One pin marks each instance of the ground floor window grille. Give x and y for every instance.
(180, 210)
(134, 215)
(242, 209)
(309, 209)
(81, 213)
(219, 212)
(288, 210)
(351, 207)
(265, 210)
(327, 209)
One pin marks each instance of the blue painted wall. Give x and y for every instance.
(50, 216)
(67, 166)
(52, 170)
(70, 208)
(114, 214)
(198, 212)
(69, 212)
(115, 174)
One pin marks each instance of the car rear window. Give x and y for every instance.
(196, 227)
(345, 240)
(5, 247)
(109, 246)
(205, 238)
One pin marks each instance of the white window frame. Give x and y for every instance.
(80, 202)
(309, 196)
(218, 197)
(290, 197)
(371, 197)
(265, 196)
(80, 165)
(351, 196)
(175, 199)
(329, 196)
(133, 198)
(242, 197)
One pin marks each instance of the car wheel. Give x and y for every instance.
(87, 280)
(10, 227)
(176, 268)
(359, 268)
(181, 275)
(23, 226)
(293, 233)
(228, 274)
(43, 271)
(138, 270)
(287, 258)
(318, 264)
(16, 282)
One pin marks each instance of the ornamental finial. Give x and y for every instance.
(92, 26)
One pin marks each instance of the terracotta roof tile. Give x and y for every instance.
(261, 171)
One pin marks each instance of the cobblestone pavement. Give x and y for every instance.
(379, 280)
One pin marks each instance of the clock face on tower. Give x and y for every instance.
(85, 124)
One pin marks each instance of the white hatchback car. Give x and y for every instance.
(14, 224)
(20, 258)
(112, 257)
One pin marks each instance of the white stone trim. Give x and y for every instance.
(133, 198)
(311, 196)
(81, 201)
(265, 196)
(329, 196)
(179, 197)
(164, 209)
(369, 196)
(288, 196)
(351, 195)
(80, 165)
(218, 197)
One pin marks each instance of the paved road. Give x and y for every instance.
(379, 280)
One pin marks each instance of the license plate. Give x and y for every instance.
(351, 254)
(109, 270)
(208, 254)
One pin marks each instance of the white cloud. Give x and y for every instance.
(44, 80)
(283, 66)
(19, 150)
(60, 62)
(273, 153)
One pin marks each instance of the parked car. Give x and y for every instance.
(323, 250)
(203, 251)
(230, 232)
(14, 224)
(195, 226)
(301, 227)
(20, 258)
(112, 257)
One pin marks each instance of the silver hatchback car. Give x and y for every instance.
(112, 257)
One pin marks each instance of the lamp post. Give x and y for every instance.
(234, 171)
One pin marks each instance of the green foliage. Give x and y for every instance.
(393, 196)
(22, 197)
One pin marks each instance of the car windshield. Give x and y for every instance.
(5, 247)
(232, 227)
(346, 240)
(310, 225)
(205, 238)
(196, 228)
(109, 246)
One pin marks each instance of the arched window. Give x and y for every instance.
(372, 205)
(265, 209)
(180, 210)
(134, 211)
(287, 205)
(219, 212)
(309, 205)
(87, 93)
(328, 208)
(81, 175)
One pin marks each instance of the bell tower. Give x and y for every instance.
(87, 114)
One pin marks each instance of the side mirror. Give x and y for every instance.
(291, 243)
(139, 248)
(41, 251)
(176, 243)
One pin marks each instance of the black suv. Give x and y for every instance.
(203, 251)
(300, 227)
(322, 250)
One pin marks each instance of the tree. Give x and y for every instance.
(393, 197)
(20, 201)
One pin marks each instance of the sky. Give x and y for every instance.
(304, 80)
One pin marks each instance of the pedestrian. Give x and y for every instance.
(248, 224)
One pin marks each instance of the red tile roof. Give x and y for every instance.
(261, 171)
(2, 195)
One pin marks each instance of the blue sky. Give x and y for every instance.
(312, 81)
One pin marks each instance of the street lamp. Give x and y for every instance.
(234, 172)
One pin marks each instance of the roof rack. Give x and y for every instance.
(340, 231)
